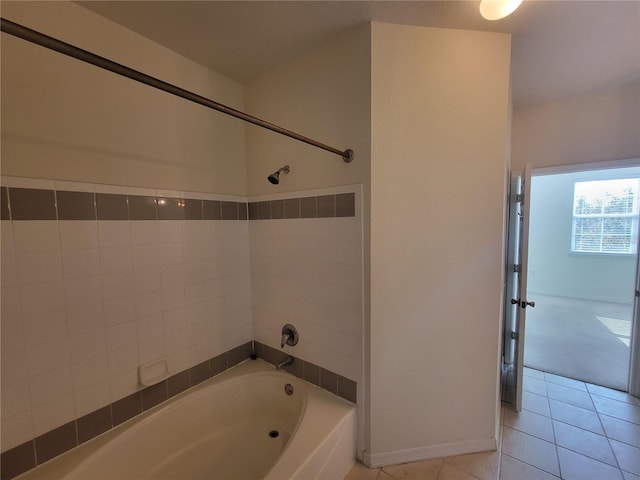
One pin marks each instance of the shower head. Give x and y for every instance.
(274, 178)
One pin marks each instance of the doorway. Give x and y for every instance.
(582, 260)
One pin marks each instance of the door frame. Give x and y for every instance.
(633, 384)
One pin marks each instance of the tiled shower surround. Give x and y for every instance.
(98, 279)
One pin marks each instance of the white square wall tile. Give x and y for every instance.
(170, 231)
(38, 267)
(15, 399)
(13, 366)
(151, 349)
(47, 357)
(44, 327)
(123, 383)
(16, 430)
(55, 413)
(91, 398)
(78, 234)
(82, 291)
(6, 236)
(80, 263)
(74, 186)
(35, 235)
(48, 387)
(145, 256)
(41, 298)
(88, 345)
(114, 233)
(117, 285)
(123, 335)
(90, 371)
(115, 259)
(9, 274)
(85, 318)
(119, 310)
(123, 360)
(144, 232)
(11, 334)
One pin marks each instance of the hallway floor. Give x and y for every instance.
(576, 338)
(567, 429)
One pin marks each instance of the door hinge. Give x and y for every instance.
(517, 268)
(519, 197)
(514, 335)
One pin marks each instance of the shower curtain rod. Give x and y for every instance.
(59, 46)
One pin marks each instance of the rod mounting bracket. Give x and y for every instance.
(348, 156)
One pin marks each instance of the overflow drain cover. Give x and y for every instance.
(274, 433)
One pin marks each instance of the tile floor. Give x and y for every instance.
(567, 429)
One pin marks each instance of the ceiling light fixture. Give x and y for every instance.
(497, 9)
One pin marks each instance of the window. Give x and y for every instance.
(605, 216)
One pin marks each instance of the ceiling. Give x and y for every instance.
(559, 49)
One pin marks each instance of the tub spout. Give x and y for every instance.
(285, 362)
(285, 337)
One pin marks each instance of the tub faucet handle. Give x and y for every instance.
(289, 336)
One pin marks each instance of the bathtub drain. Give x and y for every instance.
(274, 434)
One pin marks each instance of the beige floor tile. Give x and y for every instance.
(530, 372)
(362, 472)
(576, 416)
(529, 422)
(567, 382)
(481, 465)
(628, 456)
(613, 394)
(449, 472)
(583, 442)
(513, 469)
(614, 408)
(535, 403)
(534, 385)
(621, 430)
(423, 470)
(531, 450)
(569, 395)
(578, 467)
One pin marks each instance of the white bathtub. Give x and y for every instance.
(221, 430)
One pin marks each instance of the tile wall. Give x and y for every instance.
(98, 279)
(307, 270)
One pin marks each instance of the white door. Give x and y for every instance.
(516, 301)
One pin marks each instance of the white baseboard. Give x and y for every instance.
(429, 452)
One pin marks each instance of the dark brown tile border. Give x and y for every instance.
(330, 381)
(94, 424)
(112, 207)
(35, 204)
(75, 205)
(4, 204)
(32, 204)
(51, 444)
(56, 442)
(18, 460)
(323, 206)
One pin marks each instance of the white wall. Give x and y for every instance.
(66, 120)
(440, 103)
(553, 269)
(323, 94)
(598, 127)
